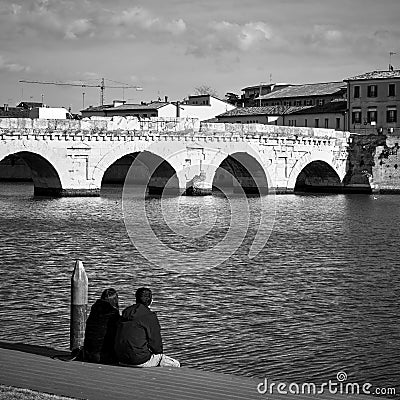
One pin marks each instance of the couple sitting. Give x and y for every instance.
(133, 339)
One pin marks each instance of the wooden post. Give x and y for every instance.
(79, 305)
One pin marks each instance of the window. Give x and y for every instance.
(308, 102)
(356, 117)
(297, 103)
(371, 116)
(305, 122)
(356, 92)
(392, 89)
(391, 115)
(372, 91)
(316, 123)
(320, 102)
(337, 123)
(326, 123)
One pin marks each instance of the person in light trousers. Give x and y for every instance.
(138, 341)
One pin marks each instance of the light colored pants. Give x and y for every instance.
(157, 360)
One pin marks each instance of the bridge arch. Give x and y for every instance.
(157, 171)
(43, 163)
(244, 167)
(316, 171)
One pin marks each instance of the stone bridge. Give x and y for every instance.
(74, 158)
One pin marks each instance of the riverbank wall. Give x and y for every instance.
(374, 160)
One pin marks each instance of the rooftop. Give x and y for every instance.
(376, 75)
(267, 110)
(306, 90)
(29, 104)
(139, 107)
(265, 85)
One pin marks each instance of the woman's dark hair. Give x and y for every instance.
(144, 296)
(111, 296)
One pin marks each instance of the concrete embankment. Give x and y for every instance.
(37, 368)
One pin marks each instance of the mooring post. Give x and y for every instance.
(79, 304)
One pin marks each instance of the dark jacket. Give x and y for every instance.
(101, 327)
(138, 335)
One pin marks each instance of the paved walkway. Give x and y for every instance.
(32, 367)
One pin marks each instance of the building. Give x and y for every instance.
(202, 107)
(274, 115)
(22, 110)
(13, 112)
(251, 94)
(33, 110)
(373, 102)
(122, 109)
(311, 94)
(49, 113)
(315, 105)
(330, 115)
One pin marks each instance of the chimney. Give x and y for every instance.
(178, 109)
(166, 99)
(5, 107)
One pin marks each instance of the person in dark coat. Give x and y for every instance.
(138, 340)
(101, 327)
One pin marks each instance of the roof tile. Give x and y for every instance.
(309, 89)
(267, 110)
(376, 75)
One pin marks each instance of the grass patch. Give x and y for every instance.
(12, 393)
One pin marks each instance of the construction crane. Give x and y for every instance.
(102, 86)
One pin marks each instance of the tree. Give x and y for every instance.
(232, 98)
(205, 89)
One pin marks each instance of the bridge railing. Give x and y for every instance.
(102, 128)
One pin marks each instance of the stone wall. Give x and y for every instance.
(104, 125)
(386, 171)
(374, 160)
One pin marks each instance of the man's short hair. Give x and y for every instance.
(144, 296)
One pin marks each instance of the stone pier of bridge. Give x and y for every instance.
(73, 157)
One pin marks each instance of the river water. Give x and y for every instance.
(321, 297)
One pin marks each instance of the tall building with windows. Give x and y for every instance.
(310, 94)
(373, 101)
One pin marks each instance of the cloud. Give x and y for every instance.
(325, 34)
(12, 67)
(79, 27)
(225, 36)
(63, 19)
(138, 18)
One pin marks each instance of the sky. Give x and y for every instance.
(170, 47)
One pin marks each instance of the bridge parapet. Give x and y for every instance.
(130, 128)
(102, 125)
